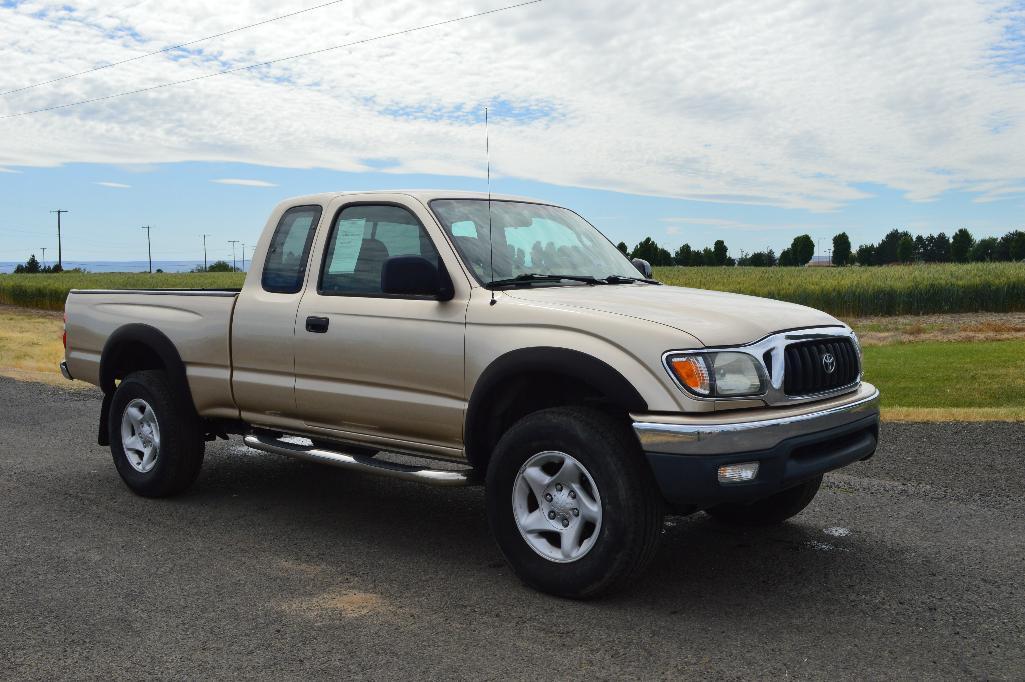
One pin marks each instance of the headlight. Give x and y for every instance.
(718, 375)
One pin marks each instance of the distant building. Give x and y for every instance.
(820, 262)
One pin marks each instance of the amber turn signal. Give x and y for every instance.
(692, 373)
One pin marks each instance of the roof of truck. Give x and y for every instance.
(424, 195)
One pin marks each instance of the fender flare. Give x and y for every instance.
(566, 362)
(153, 339)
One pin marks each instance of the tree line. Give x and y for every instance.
(898, 246)
(32, 266)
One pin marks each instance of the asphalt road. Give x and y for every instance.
(911, 565)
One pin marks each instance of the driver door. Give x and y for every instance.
(373, 367)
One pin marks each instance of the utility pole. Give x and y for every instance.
(233, 242)
(43, 248)
(243, 256)
(149, 247)
(204, 252)
(60, 261)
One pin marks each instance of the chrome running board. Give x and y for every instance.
(369, 465)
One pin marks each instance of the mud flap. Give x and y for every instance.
(103, 437)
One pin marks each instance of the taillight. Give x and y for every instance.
(64, 335)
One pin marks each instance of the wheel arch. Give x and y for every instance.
(134, 347)
(530, 379)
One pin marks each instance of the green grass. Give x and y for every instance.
(989, 375)
(47, 292)
(861, 291)
(844, 292)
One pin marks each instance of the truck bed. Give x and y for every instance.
(196, 321)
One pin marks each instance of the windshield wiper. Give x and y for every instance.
(532, 277)
(622, 279)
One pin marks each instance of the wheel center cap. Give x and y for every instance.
(560, 506)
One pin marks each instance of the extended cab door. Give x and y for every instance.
(263, 326)
(373, 367)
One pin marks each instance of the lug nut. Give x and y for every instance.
(551, 515)
(548, 497)
(558, 487)
(576, 512)
(565, 522)
(572, 495)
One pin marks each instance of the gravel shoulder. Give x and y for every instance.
(908, 565)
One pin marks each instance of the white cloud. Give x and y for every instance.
(775, 103)
(8, 170)
(115, 185)
(244, 183)
(726, 223)
(672, 230)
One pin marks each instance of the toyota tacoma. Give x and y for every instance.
(485, 340)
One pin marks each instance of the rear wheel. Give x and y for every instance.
(572, 503)
(771, 510)
(155, 440)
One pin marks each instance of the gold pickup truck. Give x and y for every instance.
(505, 336)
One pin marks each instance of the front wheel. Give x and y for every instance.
(156, 441)
(572, 503)
(770, 511)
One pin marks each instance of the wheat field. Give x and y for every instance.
(863, 291)
(48, 291)
(844, 292)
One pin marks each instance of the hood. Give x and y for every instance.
(715, 318)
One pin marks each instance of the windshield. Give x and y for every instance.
(529, 239)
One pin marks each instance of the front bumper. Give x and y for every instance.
(685, 452)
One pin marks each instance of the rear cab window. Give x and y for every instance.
(285, 266)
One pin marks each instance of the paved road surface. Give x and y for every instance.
(911, 565)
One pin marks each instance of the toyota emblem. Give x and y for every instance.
(829, 363)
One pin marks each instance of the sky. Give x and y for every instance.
(750, 122)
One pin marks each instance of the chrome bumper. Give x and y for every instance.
(65, 371)
(721, 434)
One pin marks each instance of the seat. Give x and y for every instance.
(367, 273)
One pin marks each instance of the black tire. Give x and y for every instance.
(631, 503)
(770, 511)
(181, 443)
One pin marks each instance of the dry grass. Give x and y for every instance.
(953, 414)
(30, 346)
(959, 327)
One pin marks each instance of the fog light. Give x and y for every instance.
(738, 473)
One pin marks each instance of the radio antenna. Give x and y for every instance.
(491, 240)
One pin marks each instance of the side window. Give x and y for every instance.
(362, 239)
(289, 249)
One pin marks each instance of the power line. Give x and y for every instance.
(167, 49)
(272, 61)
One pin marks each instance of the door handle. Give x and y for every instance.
(317, 325)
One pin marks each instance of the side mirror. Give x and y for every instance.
(415, 276)
(643, 266)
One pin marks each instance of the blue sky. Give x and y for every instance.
(182, 201)
(751, 123)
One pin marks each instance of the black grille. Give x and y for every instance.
(805, 371)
